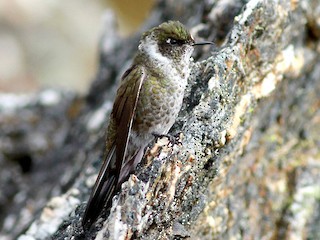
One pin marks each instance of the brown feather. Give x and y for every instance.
(123, 114)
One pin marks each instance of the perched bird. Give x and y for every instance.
(147, 103)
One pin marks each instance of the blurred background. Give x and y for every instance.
(54, 43)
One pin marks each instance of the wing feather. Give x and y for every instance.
(125, 107)
(122, 117)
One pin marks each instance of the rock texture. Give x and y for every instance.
(246, 165)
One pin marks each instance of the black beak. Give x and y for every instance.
(202, 43)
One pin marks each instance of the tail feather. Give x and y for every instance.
(109, 180)
(103, 191)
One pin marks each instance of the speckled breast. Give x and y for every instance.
(159, 103)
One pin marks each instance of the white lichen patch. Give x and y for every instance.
(223, 138)
(251, 5)
(290, 62)
(57, 209)
(91, 180)
(98, 118)
(268, 84)
(49, 97)
(127, 212)
(213, 83)
(117, 229)
(240, 110)
(175, 175)
(302, 209)
(11, 102)
(214, 222)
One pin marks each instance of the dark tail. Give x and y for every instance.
(103, 191)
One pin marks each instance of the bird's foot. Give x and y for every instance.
(173, 139)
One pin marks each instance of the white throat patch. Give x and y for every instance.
(150, 47)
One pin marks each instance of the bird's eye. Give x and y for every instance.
(173, 41)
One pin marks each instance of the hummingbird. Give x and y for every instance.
(147, 103)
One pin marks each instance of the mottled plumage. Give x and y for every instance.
(147, 102)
